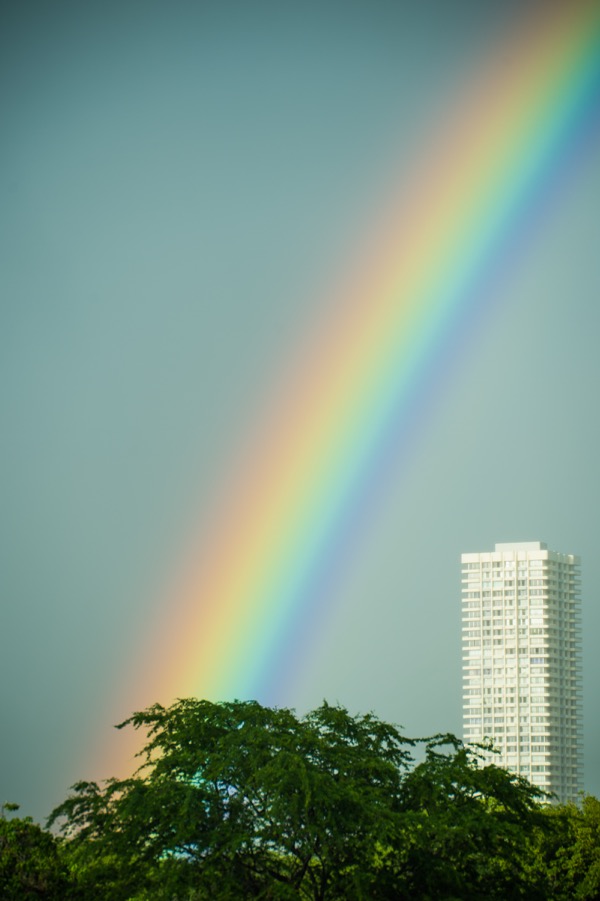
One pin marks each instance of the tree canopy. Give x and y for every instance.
(30, 863)
(236, 800)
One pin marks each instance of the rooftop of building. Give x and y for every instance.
(521, 546)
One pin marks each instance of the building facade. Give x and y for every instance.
(521, 634)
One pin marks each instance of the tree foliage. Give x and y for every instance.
(236, 800)
(239, 800)
(569, 850)
(30, 862)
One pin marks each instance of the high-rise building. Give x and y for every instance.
(521, 635)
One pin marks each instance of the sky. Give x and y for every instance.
(181, 186)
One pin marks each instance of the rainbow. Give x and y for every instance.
(317, 456)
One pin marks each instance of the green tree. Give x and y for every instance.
(569, 850)
(584, 857)
(30, 862)
(236, 800)
(467, 830)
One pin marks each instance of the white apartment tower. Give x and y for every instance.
(521, 632)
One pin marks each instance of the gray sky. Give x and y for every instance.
(178, 182)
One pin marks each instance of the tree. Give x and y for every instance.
(236, 800)
(569, 850)
(30, 863)
(584, 855)
(239, 800)
(468, 831)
